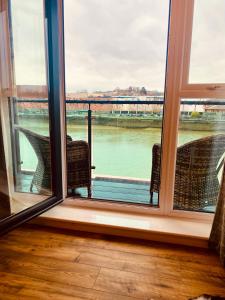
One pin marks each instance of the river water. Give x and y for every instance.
(116, 151)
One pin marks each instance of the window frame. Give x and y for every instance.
(177, 54)
(195, 90)
(178, 68)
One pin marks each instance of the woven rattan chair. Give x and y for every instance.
(78, 163)
(197, 166)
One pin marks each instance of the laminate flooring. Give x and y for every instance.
(44, 263)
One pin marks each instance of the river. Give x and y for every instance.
(116, 151)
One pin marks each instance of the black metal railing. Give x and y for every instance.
(106, 101)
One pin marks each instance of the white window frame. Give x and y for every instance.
(195, 90)
(180, 29)
(178, 87)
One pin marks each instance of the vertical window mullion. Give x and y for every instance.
(174, 75)
(55, 56)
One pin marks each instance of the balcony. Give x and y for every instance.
(116, 130)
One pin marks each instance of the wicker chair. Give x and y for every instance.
(78, 163)
(197, 166)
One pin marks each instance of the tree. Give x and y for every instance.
(143, 91)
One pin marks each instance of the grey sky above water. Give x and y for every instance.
(117, 43)
(121, 43)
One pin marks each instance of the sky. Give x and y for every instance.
(207, 63)
(117, 43)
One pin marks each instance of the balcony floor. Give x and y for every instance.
(110, 188)
(114, 189)
(119, 189)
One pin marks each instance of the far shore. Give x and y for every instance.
(123, 121)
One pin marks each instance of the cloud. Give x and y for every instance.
(117, 43)
(208, 43)
(110, 44)
(28, 42)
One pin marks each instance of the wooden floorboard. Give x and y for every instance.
(44, 263)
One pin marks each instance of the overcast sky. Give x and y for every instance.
(117, 43)
(208, 42)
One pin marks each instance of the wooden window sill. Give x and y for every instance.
(158, 228)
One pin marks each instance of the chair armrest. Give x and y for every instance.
(78, 164)
(78, 151)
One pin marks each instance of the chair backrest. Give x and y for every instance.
(40, 144)
(78, 161)
(196, 181)
(201, 155)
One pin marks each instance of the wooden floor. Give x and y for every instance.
(39, 263)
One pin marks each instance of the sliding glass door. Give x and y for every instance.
(115, 54)
(30, 100)
(117, 59)
(29, 107)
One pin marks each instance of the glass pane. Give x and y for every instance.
(207, 62)
(116, 51)
(200, 155)
(28, 42)
(26, 116)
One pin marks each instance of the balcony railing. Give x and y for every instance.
(106, 101)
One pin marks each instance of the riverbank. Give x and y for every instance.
(124, 121)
